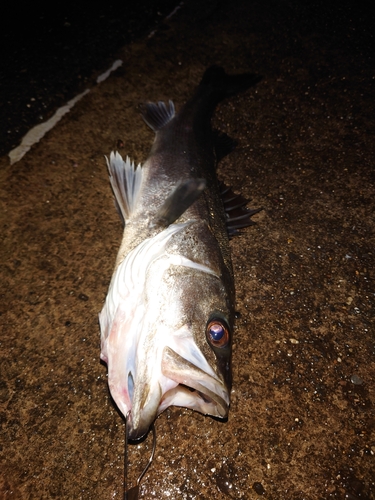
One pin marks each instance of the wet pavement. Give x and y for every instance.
(302, 420)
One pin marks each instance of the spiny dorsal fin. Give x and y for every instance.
(183, 196)
(126, 181)
(238, 215)
(158, 115)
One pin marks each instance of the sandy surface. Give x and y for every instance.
(302, 421)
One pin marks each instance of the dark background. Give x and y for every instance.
(52, 51)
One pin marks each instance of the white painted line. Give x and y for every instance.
(171, 14)
(106, 74)
(36, 133)
(175, 10)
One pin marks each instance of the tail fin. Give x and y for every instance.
(223, 85)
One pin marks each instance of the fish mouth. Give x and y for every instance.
(197, 389)
(186, 385)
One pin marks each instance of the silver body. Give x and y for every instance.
(169, 281)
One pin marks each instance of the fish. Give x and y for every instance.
(168, 317)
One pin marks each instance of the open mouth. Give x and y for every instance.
(197, 389)
(190, 385)
(197, 393)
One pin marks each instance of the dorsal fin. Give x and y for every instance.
(126, 181)
(238, 215)
(158, 115)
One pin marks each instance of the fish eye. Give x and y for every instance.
(217, 333)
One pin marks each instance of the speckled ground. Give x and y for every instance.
(302, 421)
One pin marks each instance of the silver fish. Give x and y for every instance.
(167, 322)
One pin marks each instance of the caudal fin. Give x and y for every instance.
(223, 85)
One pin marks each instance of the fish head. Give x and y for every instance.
(168, 339)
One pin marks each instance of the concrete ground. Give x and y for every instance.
(302, 420)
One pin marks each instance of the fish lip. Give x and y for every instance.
(143, 410)
(138, 432)
(210, 388)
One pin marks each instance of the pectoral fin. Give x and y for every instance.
(184, 195)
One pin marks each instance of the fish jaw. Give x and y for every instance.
(178, 376)
(197, 389)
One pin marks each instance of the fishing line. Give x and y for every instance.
(133, 493)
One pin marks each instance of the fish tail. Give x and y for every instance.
(222, 85)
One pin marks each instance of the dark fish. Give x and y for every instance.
(167, 323)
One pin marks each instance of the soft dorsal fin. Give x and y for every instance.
(223, 144)
(238, 215)
(181, 198)
(125, 180)
(157, 115)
